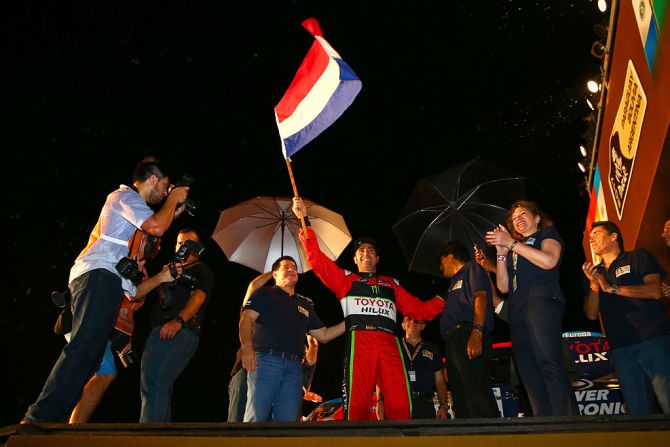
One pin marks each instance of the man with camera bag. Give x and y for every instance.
(176, 320)
(119, 344)
(97, 287)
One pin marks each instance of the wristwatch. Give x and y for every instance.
(614, 289)
(179, 319)
(478, 328)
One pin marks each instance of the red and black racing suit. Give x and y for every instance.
(373, 356)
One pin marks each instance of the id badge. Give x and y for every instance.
(412, 376)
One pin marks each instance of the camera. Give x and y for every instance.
(190, 205)
(129, 269)
(186, 279)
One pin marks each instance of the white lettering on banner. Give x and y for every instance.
(592, 357)
(592, 402)
(353, 305)
(601, 408)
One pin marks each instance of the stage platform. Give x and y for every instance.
(587, 431)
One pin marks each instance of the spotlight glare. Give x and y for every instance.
(590, 104)
(581, 167)
(593, 86)
(582, 149)
(602, 5)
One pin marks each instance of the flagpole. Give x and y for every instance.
(295, 192)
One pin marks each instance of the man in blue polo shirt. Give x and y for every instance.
(626, 289)
(465, 325)
(272, 334)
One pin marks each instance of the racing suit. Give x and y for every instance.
(373, 354)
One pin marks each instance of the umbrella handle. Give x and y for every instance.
(295, 192)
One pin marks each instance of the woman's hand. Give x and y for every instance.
(501, 238)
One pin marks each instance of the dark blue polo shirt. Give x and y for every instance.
(283, 320)
(460, 302)
(532, 280)
(427, 361)
(628, 320)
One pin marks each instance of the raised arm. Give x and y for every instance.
(416, 309)
(502, 251)
(158, 223)
(547, 257)
(592, 298)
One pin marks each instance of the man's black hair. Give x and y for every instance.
(611, 228)
(275, 265)
(190, 230)
(146, 168)
(458, 249)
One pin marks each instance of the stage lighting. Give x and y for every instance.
(582, 167)
(590, 104)
(598, 49)
(582, 149)
(593, 86)
(602, 5)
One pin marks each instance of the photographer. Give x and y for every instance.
(97, 287)
(176, 321)
(119, 344)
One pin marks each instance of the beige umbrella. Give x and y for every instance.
(258, 231)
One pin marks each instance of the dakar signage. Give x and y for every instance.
(625, 137)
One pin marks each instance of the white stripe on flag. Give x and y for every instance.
(643, 13)
(313, 103)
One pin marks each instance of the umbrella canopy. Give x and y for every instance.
(461, 203)
(257, 232)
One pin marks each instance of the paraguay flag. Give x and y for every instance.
(320, 92)
(597, 210)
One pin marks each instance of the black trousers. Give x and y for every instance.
(470, 379)
(423, 408)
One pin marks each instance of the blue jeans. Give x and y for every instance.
(162, 362)
(237, 396)
(535, 329)
(96, 296)
(643, 370)
(274, 389)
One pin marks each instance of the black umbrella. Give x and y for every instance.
(461, 203)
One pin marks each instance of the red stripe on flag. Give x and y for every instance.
(312, 26)
(593, 206)
(311, 69)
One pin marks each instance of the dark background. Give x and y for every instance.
(91, 89)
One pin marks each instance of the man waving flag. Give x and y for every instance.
(320, 92)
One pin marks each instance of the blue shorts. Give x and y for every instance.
(107, 366)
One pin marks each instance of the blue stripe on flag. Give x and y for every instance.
(652, 44)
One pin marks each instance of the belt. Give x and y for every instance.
(457, 326)
(283, 354)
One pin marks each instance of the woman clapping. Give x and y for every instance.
(527, 269)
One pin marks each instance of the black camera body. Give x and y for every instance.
(186, 279)
(190, 205)
(130, 269)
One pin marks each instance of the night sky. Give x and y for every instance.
(92, 89)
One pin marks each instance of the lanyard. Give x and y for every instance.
(416, 350)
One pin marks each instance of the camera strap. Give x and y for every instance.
(113, 240)
(134, 245)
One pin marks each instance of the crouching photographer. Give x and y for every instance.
(118, 353)
(176, 320)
